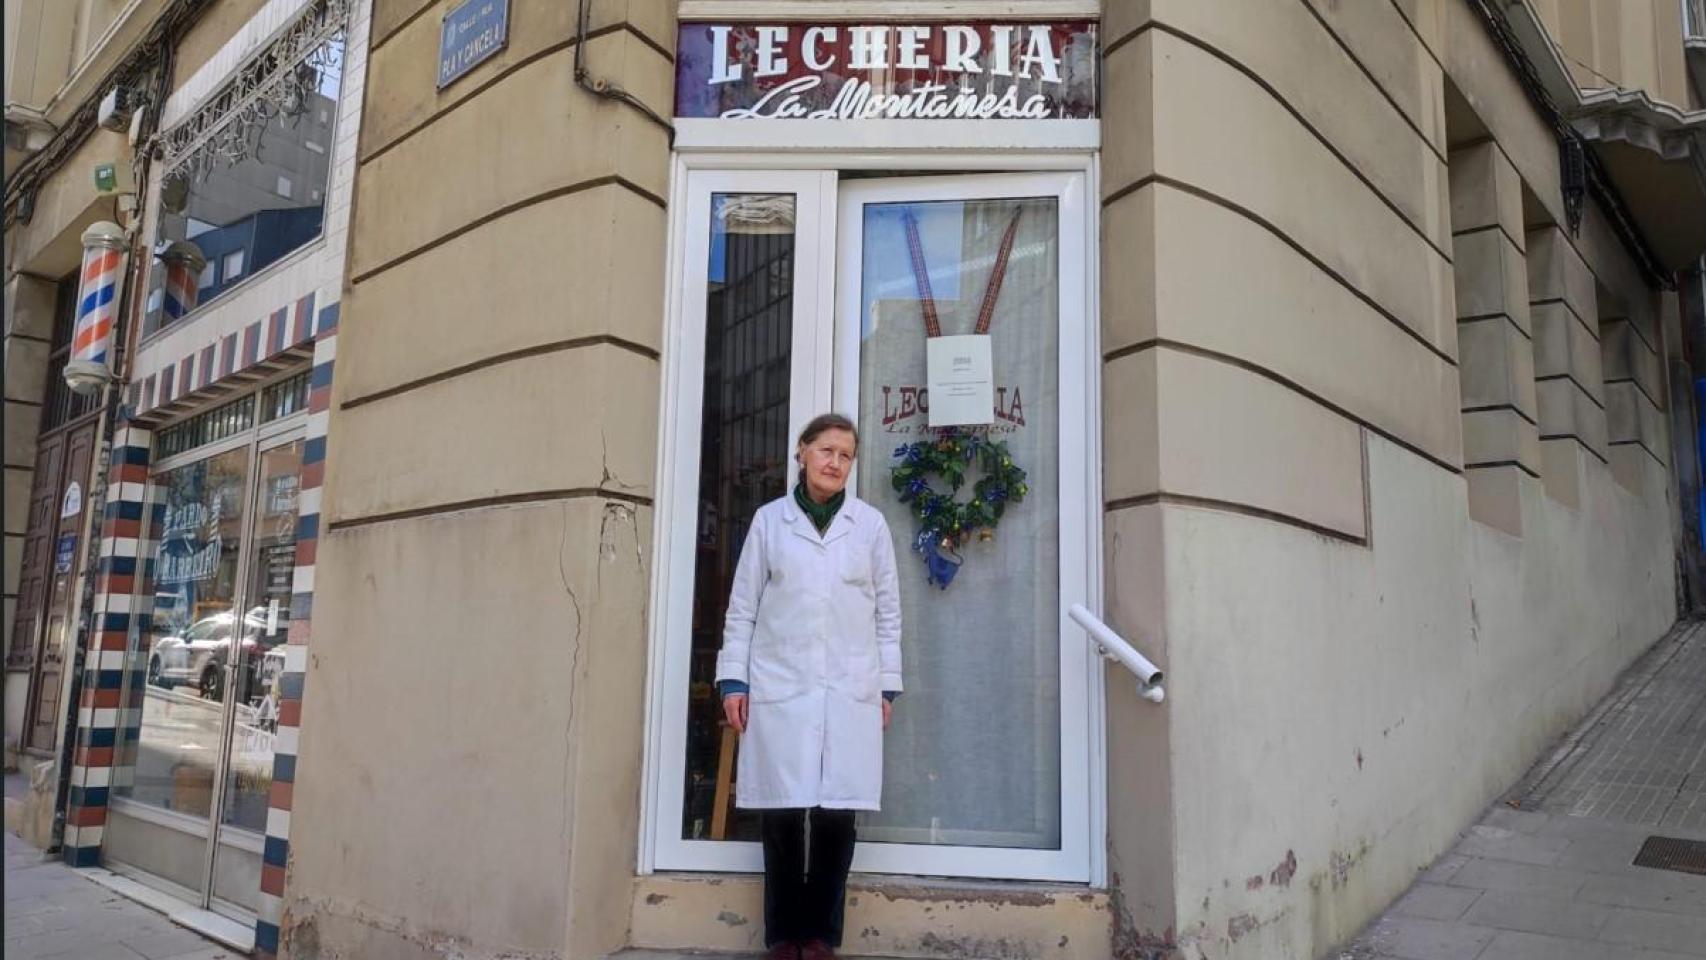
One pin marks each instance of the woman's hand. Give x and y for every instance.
(734, 710)
(888, 712)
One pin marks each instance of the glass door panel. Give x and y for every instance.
(973, 756)
(258, 674)
(750, 284)
(987, 763)
(172, 754)
(744, 456)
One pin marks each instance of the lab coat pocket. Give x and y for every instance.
(772, 674)
(856, 569)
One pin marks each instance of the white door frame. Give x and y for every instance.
(1070, 175)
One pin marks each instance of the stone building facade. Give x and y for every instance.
(1351, 349)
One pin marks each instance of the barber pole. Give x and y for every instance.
(97, 307)
(183, 262)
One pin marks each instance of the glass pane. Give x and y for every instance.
(973, 755)
(266, 625)
(190, 636)
(744, 456)
(237, 212)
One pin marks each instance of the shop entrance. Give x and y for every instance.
(800, 292)
(194, 769)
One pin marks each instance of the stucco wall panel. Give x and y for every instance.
(51, 245)
(1128, 128)
(563, 420)
(1385, 44)
(1485, 191)
(1229, 435)
(448, 176)
(1498, 366)
(210, 34)
(398, 627)
(1275, 309)
(589, 290)
(410, 55)
(1287, 178)
(1128, 270)
(1141, 848)
(1295, 54)
(1350, 693)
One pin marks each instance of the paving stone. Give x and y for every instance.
(1552, 915)
(53, 912)
(1678, 933)
(1497, 843)
(1435, 901)
(161, 944)
(1518, 878)
(1514, 945)
(1658, 890)
(1413, 938)
(1444, 868)
(1521, 821)
(1615, 855)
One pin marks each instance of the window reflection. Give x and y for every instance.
(743, 463)
(194, 631)
(263, 199)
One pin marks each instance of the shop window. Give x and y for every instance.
(205, 428)
(284, 398)
(246, 184)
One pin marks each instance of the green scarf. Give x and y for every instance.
(821, 514)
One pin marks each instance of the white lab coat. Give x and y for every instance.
(813, 628)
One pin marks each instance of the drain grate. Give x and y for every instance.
(1672, 853)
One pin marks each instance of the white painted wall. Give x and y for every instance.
(1355, 707)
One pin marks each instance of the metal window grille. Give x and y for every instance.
(205, 428)
(284, 398)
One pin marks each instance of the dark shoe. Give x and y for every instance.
(784, 951)
(816, 950)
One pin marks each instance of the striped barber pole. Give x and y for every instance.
(97, 300)
(183, 262)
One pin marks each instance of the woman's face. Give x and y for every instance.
(827, 460)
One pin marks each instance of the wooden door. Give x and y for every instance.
(54, 551)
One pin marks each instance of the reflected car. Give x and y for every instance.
(197, 656)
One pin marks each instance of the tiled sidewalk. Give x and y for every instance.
(52, 912)
(1547, 874)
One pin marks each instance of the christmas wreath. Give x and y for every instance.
(944, 521)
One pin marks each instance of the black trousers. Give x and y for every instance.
(805, 891)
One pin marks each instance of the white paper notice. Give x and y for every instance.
(962, 381)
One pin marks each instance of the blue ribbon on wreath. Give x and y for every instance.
(944, 521)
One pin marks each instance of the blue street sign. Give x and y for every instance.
(65, 553)
(473, 33)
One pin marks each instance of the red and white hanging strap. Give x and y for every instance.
(997, 274)
(921, 275)
(991, 292)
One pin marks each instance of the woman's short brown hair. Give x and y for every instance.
(828, 421)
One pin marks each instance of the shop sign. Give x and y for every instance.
(472, 34)
(65, 553)
(908, 71)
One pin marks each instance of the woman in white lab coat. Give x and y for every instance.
(809, 670)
